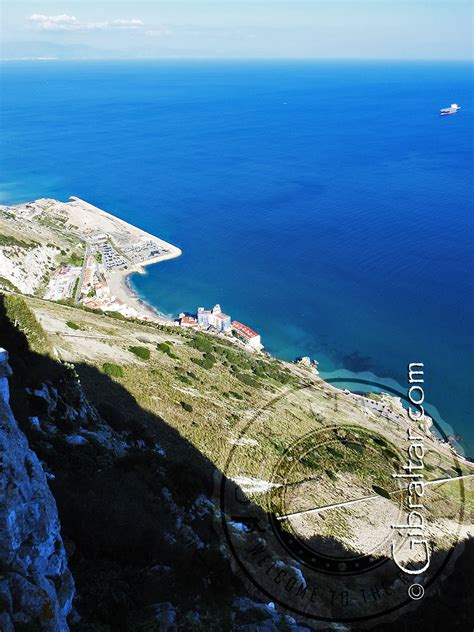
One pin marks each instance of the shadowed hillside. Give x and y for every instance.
(135, 503)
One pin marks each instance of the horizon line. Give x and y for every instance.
(242, 59)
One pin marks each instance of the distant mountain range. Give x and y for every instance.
(41, 50)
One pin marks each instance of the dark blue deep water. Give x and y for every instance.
(325, 204)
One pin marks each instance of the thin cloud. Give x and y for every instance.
(159, 32)
(63, 22)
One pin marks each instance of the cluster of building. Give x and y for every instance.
(62, 283)
(89, 285)
(104, 300)
(216, 321)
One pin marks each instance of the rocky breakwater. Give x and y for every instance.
(36, 586)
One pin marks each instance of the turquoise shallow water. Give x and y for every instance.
(327, 205)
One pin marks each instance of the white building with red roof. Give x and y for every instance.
(248, 335)
(187, 321)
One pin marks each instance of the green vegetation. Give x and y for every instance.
(141, 352)
(202, 343)
(165, 347)
(113, 370)
(76, 286)
(22, 317)
(206, 362)
(248, 380)
(76, 259)
(9, 240)
(381, 491)
(6, 284)
(187, 407)
(116, 315)
(246, 367)
(185, 379)
(72, 325)
(98, 257)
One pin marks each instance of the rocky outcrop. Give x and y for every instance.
(36, 587)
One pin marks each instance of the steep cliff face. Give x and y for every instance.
(36, 586)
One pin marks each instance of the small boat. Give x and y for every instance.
(453, 108)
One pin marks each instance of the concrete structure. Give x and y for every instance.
(203, 317)
(214, 318)
(222, 322)
(249, 336)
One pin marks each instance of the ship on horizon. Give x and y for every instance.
(453, 108)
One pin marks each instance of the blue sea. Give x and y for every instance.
(326, 205)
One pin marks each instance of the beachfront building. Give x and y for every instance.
(247, 335)
(203, 317)
(214, 318)
(187, 321)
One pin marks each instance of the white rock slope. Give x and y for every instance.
(36, 586)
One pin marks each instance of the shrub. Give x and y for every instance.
(141, 352)
(202, 343)
(207, 362)
(187, 407)
(236, 395)
(381, 491)
(8, 285)
(9, 240)
(22, 317)
(114, 370)
(164, 347)
(76, 285)
(248, 380)
(116, 315)
(185, 380)
(75, 259)
(72, 325)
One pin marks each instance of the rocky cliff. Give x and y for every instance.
(36, 587)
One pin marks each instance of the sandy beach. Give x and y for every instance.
(93, 219)
(120, 287)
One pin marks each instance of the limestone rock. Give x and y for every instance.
(36, 586)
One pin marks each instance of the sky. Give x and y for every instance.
(267, 29)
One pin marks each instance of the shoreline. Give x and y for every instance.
(93, 220)
(131, 295)
(121, 287)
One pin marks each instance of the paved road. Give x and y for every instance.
(346, 503)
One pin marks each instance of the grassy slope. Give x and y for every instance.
(118, 571)
(210, 407)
